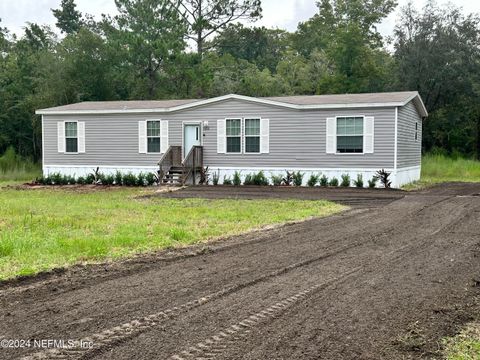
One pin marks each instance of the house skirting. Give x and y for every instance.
(84, 170)
(401, 177)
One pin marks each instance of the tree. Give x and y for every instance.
(259, 45)
(69, 20)
(345, 30)
(207, 17)
(436, 53)
(147, 34)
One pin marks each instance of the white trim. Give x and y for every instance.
(200, 124)
(395, 146)
(416, 97)
(65, 138)
(102, 166)
(43, 144)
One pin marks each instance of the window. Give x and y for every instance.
(233, 132)
(71, 137)
(416, 131)
(252, 135)
(350, 134)
(153, 136)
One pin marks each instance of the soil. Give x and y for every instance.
(385, 280)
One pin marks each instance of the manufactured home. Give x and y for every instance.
(329, 134)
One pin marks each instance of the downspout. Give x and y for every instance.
(43, 147)
(395, 148)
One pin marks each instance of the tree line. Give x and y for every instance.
(162, 49)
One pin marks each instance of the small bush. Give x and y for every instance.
(237, 180)
(333, 182)
(151, 179)
(108, 179)
(227, 180)
(345, 180)
(298, 178)
(313, 180)
(81, 180)
(383, 176)
(140, 179)
(90, 179)
(129, 179)
(204, 176)
(216, 178)
(260, 179)
(276, 179)
(373, 182)
(288, 179)
(359, 182)
(69, 180)
(118, 178)
(324, 181)
(56, 179)
(248, 180)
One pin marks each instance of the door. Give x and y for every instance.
(191, 137)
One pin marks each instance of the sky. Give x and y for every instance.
(283, 14)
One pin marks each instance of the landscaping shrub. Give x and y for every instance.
(118, 178)
(276, 179)
(140, 179)
(313, 180)
(56, 179)
(297, 178)
(227, 180)
(383, 176)
(81, 180)
(324, 181)
(288, 179)
(151, 179)
(345, 180)
(108, 179)
(90, 179)
(237, 180)
(373, 182)
(260, 179)
(248, 180)
(333, 182)
(129, 179)
(68, 180)
(216, 178)
(359, 182)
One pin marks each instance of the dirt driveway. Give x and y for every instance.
(382, 282)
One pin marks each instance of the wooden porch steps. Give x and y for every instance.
(174, 176)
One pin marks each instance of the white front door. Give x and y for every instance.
(191, 137)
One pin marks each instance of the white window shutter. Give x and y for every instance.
(142, 137)
(163, 136)
(81, 136)
(368, 134)
(264, 136)
(331, 136)
(221, 137)
(61, 136)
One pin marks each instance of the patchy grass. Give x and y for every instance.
(464, 346)
(439, 168)
(49, 228)
(16, 168)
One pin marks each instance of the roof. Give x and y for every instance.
(304, 102)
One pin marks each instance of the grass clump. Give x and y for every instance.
(14, 167)
(464, 346)
(45, 228)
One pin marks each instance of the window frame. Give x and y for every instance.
(259, 135)
(336, 135)
(70, 137)
(234, 136)
(154, 137)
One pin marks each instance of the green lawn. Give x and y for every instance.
(464, 346)
(438, 168)
(44, 229)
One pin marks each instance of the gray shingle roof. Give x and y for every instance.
(375, 99)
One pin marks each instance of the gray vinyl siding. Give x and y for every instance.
(297, 138)
(409, 150)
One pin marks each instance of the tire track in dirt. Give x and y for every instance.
(130, 329)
